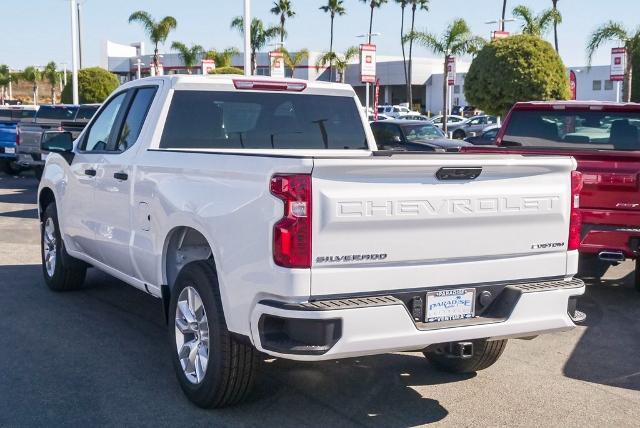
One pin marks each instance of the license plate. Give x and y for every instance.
(10, 150)
(447, 305)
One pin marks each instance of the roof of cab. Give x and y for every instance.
(575, 104)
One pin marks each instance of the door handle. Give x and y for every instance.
(121, 176)
(90, 172)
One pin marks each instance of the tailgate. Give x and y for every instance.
(387, 223)
(610, 182)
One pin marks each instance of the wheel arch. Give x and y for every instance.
(45, 197)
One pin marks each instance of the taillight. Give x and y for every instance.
(269, 85)
(575, 221)
(292, 233)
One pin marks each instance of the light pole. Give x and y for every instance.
(79, 9)
(139, 72)
(501, 22)
(247, 38)
(367, 85)
(64, 73)
(74, 51)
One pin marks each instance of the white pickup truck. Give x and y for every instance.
(263, 216)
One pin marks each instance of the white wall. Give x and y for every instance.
(585, 78)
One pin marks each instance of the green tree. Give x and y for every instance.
(292, 60)
(32, 75)
(403, 5)
(189, 54)
(259, 36)
(52, 75)
(222, 58)
(518, 68)
(537, 25)
(5, 79)
(339, 61)
(95, 84)
(615, 31)
(157, 31)
(457, 40)
(226, 70)
(415, 5)
(333, 8)
(285, 10)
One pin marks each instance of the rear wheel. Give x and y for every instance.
(214, 369)
(483, 355)
(61, 271)
(636, 279)
(9, 167)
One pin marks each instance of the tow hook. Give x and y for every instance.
(461, 350)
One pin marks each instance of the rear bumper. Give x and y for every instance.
(379, 324)
(610, 230)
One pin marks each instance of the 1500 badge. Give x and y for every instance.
(351, 258)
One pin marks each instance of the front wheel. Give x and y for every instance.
(482, 354)
(214, 369)
(61, 271)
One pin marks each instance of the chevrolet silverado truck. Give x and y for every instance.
(604, 138)
(263, 216)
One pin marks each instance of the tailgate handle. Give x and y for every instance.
(458, 173)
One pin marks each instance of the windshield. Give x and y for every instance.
(86, 112)
(262, 120)
(57, 112)
(574, 130)
(421, 132)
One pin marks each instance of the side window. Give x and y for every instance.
(135, 118)
(102, 128)
(475, 121)
(491, 120)
(386, 135)
(491, 134)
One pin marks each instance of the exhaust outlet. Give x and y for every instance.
(612, 256)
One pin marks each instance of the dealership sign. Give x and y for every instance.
(208, 65)
(276, 59)
(367, 63)
(451, 70)
(618, 63)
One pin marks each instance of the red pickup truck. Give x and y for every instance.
(604, 138)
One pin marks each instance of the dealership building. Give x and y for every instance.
(592, 83)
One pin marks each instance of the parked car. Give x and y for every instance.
(471, 126)
(419, 117)
(396, 111)
(372, 118)
(486, 138)
(413, 135)
(456, 110)
(451, 119)
(604, 138)
(471, 111)
(10, 117)
(263, 216)
(48, 117)
(85, 113)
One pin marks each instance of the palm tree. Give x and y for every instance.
(537, 25)
(52, 75)
(285, 10)
(5, 79)
(555, 24)
(293, 60)
(403, 5)
(188, 54)
(340, 61)
(415, 4)
(333, 7)
(222, 58)
(457, 40)
(373, 4)
(259, 36)
(158, 32)
(615, 31)
(32, 75)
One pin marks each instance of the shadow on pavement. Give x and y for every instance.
(100, 355)
(23, 189)
(608, 352)
(29, 213)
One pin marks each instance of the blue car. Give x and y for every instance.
(9, 119)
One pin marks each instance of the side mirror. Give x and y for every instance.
(56, 141)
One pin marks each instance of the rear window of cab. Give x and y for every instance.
(262, 120)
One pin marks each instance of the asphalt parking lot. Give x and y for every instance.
(100, 356)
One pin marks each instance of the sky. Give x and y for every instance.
(37, 31)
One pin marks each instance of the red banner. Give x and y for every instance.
(376, 100)
(573, 83)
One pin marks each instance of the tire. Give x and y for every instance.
(8, 167)
(636, 279)
(230, 366)
(485, 354)
(590, 266)
(459, 135)
(61, 271)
